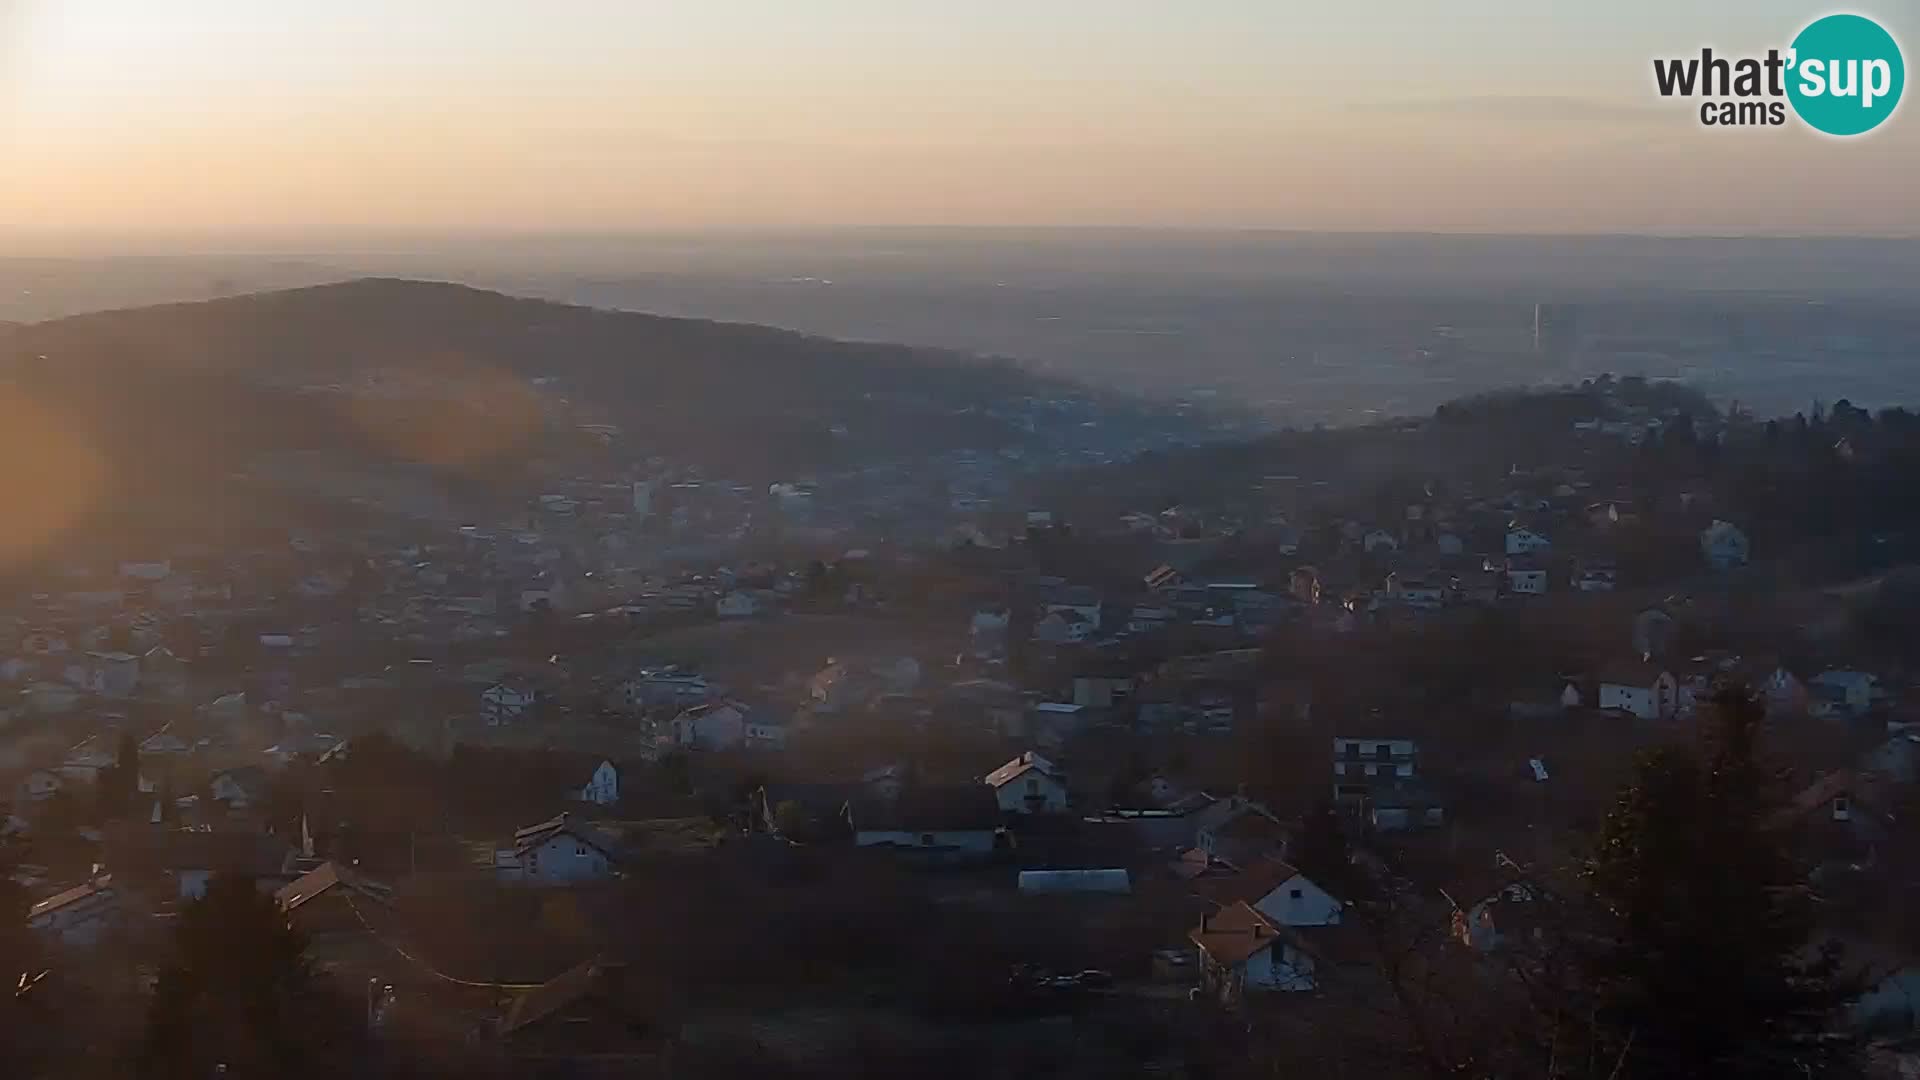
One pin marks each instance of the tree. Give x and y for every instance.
(1323, 851)
(790, 819)
(120, 782)
(238, 992)
(1700, 966)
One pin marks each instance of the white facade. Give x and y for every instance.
(737, 605)
(1851, 691)
(1028, 787)
(974, 841)
(1658, 698)
(39, 786)
(1526, 542)
(502, 704)
(1527, 582)
(604, 788)
(1299, 902)
(562, 859)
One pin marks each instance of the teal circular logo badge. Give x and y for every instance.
(1846, 75)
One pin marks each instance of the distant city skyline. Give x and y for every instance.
(598, 115)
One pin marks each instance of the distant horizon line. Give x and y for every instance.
(97, 234)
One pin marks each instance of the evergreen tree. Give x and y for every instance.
(238, 992)
(1703, 965)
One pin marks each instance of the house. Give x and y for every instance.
(1108, 882)
(1029, 784)
(1242, 952)
(1246, 833)
(180, 862)
(766, 730)
(1063, 628)
(1449, 543)
(1397, 805)
(587, 1021)
(1073, 603)
(1524, 541)
(1377, 780)
(1596, 577)
(947, 823)
(729, 725)
(81, 915)
(1279, 892)
(1724, 545)
(558, 851)
(165, 742)
(1509, 914)
(1639, 687)
(665, 686)
(1378, 540)
(1843, 693)
(326, 899)
(503, 704)
(1374, 758)
(163, 676)
(739, 604)
(112, 674)
(1781, 690)
(1526, 577)
(239, 788)
(1421, 592)
(38, 786)
(51, 698)
(603, 788)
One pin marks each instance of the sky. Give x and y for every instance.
(634, 115)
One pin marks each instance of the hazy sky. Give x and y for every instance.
(636, 114)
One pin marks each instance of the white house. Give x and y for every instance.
(1416, 591)
(1526, 578)
(669, 686)
(112, 674)
(49, 698)
(1522, 541)
(1073, 601)
(603, 789)
(38, 786)
(737, 605)
(1379, 540)
(79, 916)
(1242, 952)
(765, 730)
(1029, 784)
(1724, 545)
(165, 742)
(559, 851)
(1278, 891)
(1060, 627)
(239, 788)
(1641, 688)
(1849, 693)
(504, 703)
(1596, 577)
(1377, 758)
(722, 725)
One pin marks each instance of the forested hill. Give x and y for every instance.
(381, 369)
